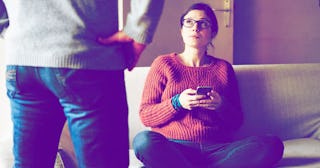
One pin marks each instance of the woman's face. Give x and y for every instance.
(195, 31)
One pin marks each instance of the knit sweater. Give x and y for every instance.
(168, 77)
(64, 33)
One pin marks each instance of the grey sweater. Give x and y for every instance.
(63, 33)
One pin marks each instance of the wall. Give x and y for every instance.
(274, 31)
(265, 32)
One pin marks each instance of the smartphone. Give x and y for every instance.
(203, 90)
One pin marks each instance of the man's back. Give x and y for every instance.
(63, 33)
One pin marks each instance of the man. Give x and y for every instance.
(66, 60)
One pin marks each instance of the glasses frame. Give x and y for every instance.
(198, 22)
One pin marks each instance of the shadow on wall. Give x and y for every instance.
(243, 36)
(284, 33)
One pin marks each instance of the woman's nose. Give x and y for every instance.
(196, 27)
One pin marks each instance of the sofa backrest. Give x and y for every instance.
(135, 80)
(282, 99)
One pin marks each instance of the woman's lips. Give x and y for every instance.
(194, 36)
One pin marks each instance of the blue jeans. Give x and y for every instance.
(93, 103)
(156, 151)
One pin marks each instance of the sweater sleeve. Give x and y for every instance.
(231, 111)
(155, 112)
(4, 21)
(143, 19)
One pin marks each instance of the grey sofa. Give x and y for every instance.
(279, 99)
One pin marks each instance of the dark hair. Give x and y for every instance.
(208, 11)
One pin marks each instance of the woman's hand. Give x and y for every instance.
(211, 102)
(190, 100)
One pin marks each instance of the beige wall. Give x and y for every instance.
(274, 31)
(265, 32)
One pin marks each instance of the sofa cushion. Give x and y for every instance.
(134, 86)
(6, 156)
(64, 160)
(303, 152)
(281, 99)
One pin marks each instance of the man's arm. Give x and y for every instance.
(4, 21)
(143, 19)
(140, 27)
(121, 37)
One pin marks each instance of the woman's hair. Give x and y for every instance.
(208, 11)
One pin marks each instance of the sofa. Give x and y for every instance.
(278, 99)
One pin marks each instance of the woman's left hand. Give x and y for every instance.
(212, 102)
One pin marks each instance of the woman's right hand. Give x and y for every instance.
(189, 99)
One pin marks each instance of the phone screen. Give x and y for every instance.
(203, 90)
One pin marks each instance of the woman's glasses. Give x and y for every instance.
(202, 24)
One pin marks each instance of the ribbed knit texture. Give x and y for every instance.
(64, 33)
(168, 77)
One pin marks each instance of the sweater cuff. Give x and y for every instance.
(176, 103)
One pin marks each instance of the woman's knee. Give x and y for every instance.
(146, 140)
(271, 146)
(275, 146)
(267, 150)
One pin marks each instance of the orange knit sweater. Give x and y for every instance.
(168, 77)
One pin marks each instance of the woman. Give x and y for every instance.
(190, 129)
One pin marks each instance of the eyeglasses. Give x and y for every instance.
(202, 24)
